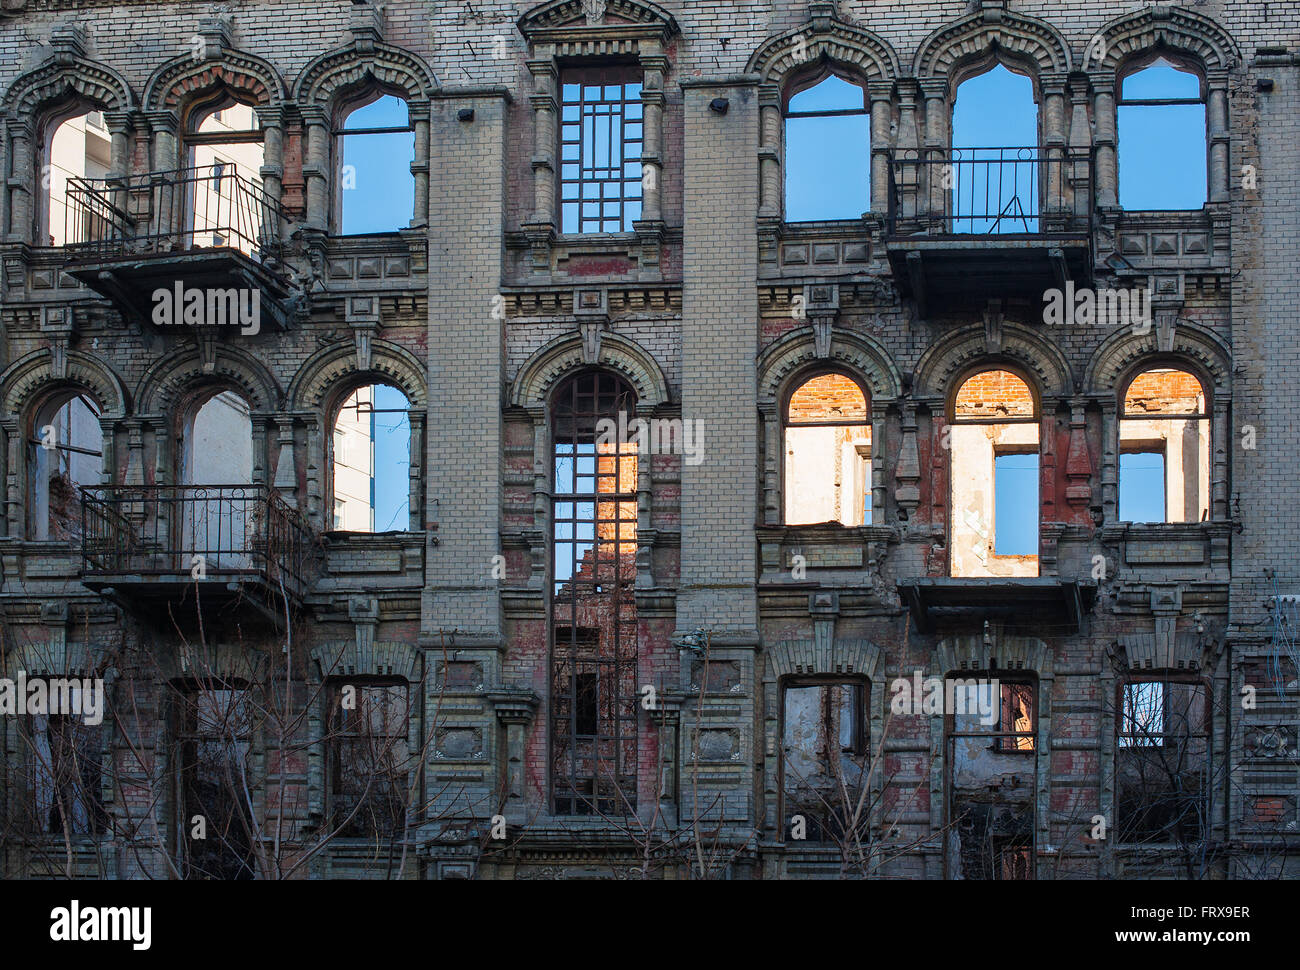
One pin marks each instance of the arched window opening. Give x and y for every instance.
(64, 455)
(1162, 139)
(219, 507)
(828, 453)
(1164, 445)
(225, 205)
(78, 152)
(375, 146)
(996, 165)
(994, 444)
(371, 449)
(827, 152)
(594, 653)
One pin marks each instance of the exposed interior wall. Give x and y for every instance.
(988, 396)
(827, 460)
(58, 472)
(974, 524)
(1185, 442)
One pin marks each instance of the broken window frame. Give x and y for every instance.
(613, 187)
(381, 808)
(867, 461)
(1004, 850)
(65, 769)
(230, 854)
(826, 825)
(1166, 743)
(40, 473)
(581, 505)
(1205, 429)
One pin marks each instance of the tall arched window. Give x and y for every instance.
(370, 451)
(594, 647)
(64, 454)
(995, 155)
(993, 519)
(828, 452)
(827, 151)
(1164, 449)
(219, 508)
(375, 146)
(223, 204)
(78, 149)
(1162, 138)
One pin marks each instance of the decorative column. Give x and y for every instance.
(1053, 201)
(316, 165)
(769, 152)
(420, 164)
(541, 225)
(1078, 465)
(1216, 106)
(907, 476)
(881, 96)
(163, 127)
(772, 460)
(1221, 443)
(1079, 151)
(271, 121)
(1109, 461)
(541, 496)
(515, 708)
(655, 65)
(13, 440)
(22, 180)
(910, 182)
(119, 155)
(286, 472)
(1103, 113)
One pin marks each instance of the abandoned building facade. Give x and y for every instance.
(604, 438)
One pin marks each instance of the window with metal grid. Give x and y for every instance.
(594, 653)
(600, 149)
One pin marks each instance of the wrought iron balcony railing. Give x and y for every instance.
(990, 192)
(234, 532)
(208, 207)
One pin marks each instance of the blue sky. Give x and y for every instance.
(1162, 148)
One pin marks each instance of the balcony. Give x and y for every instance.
(978, 224)
(196, 551)
(203, 228)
